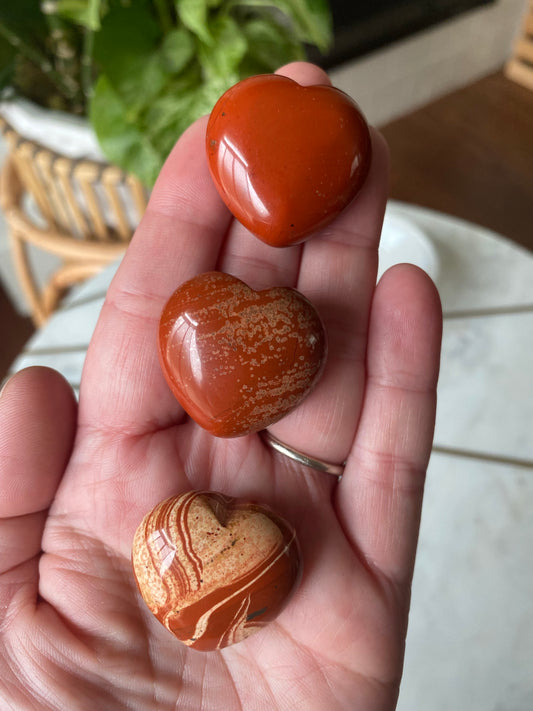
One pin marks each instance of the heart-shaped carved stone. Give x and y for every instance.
(214, 569)
(286, 158)
(236, 359)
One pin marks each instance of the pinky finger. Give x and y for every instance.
(37, 425)
(380, 497)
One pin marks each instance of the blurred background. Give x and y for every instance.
(93, 97)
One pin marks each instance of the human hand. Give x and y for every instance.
(75, 481)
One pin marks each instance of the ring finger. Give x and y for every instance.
(338, 273)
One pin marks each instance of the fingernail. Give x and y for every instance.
(4, 385)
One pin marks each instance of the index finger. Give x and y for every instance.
(179, 236)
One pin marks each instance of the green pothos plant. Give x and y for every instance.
(143, 70)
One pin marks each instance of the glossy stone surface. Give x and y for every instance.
(236, 359)
(214, 569)
(286, 158)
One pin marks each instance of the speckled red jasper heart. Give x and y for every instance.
(286, 158)
(237, 359)
(214, 569)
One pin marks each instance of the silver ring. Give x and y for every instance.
(321, 466)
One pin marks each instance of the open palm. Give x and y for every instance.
(75, 481)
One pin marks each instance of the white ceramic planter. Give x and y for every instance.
(63, 133)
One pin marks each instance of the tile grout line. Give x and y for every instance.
(83, 301)
(495, 311)
(482, 456)
(54, 350)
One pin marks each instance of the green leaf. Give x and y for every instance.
(175, 110)
(177, 49)
(6, 74)
(221, 59)
(311, 18)
(122, 140)
(169, 116)
(270, 44)
(165, 111)
(83, 12)
(7, 57)
(38, 72)
(127, 51)
(194, 15)
(23, 15)
(182, 102)
(210, 92)
(23, 19)
(127, 28)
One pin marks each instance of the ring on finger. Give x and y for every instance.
(297, 456)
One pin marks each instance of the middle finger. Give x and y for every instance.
(256, 263)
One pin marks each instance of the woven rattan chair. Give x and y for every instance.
(81, 211)
(519, 68)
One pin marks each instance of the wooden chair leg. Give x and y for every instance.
(27, 282)
(519, 68)
(65, 278)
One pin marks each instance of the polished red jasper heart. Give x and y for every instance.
(214, 569)
(286, 158)
(237, 359)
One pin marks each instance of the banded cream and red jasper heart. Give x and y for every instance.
(285, 158)
(237, 359)
(214, 569)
